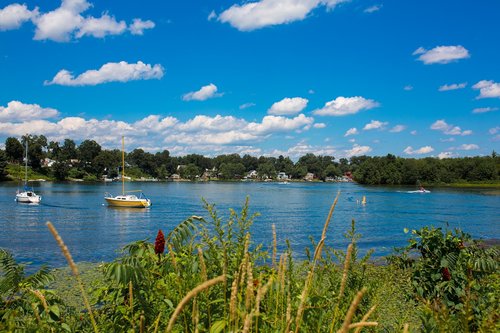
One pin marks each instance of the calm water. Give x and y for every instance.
(94, 232)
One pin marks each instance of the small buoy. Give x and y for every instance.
(364, 200)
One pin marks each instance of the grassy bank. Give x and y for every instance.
(209, 276)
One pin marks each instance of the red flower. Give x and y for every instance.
(445, 273)
(159, 243)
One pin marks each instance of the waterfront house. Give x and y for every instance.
(282, 176)
(309, 176)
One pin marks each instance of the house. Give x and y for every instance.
(251, 175)
(309, 177)
(174, 177)
(282, 176)
(47, 162)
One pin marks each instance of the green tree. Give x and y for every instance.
(14, 150)
(190, 171)
(3, 163)
(69, 150)
(60, 169)
(266, 170)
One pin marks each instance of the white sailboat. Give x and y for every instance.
(28, 195)
(127, 200)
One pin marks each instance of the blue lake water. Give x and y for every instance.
(94, 232)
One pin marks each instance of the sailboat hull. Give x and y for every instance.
(124, 201)
(28, 197)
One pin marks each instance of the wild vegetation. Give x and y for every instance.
(90, 162)
(207, 275)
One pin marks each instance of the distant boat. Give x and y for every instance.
(127, 200)
(28, 195)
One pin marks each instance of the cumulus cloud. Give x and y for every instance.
(67, 22)
(373, 9)
(138, 26)
(319, 125)
(14, 15)
(442, 54)
(397, 129)
(205, 92)
(408, 88)
(255, 15)
(413, 132)
(110, 72)
(445, 154)
(357, 150)
(16, 111)
(454, 86)
(484, 110)
(487, 89)
(288, 106)
(201, 133)
(423, 150)
(351, 131)
(302, 148)
(448, 129)
(342, 106)
(375, 124)
(470, 146)
(101, 27)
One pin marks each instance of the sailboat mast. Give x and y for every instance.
(26, 163)
(123, 165)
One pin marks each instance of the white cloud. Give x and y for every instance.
(452, 139)
(342, 106)
(246, 106)
(454, 86)
(199, 134)
(357, 150)
(468, 147)
(255, 15)
(373, 9)
(17, 112)
(14, 15)
(442, 54)
(67, 22)
(319, 125)
(445, 154)
(375, 124)
(101, 27)
(441, 125)
(205, 92)
(414, 132)
(351, 131)
(138, 26)
(288, 106)
(423, 150)
(397, 129)
(110, 72)
(302, 148)
(484, 110)
(408, 88)
(494, 130)
(487, 89)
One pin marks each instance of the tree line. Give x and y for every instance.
(89, 161)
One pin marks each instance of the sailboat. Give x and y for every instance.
(28, 195)
(127, 200)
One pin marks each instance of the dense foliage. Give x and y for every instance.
(455, 278)
(207, 275)
(394, 170)
(89, 161)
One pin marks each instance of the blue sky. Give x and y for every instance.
(270, 77)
